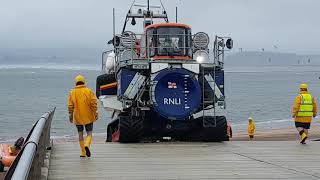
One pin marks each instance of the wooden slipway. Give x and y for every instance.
(229, 160)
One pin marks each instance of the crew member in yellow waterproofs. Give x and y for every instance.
(251, 128)
(82, 106)
(305, 107)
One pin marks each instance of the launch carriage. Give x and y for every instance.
(164, 82)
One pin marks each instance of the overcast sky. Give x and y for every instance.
(292, 25)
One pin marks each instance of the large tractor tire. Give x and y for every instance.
(131, 129)
(125, 129)
(109, 133)
(216, 133)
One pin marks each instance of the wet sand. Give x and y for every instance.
(283, 134)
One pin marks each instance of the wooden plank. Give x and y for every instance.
(231, 160)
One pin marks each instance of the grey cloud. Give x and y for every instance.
(292, 25)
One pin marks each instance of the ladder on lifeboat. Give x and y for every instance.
(208, 103)
(209, 112)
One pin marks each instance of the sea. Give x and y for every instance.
(266, 93)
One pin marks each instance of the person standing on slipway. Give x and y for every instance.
(251, 128)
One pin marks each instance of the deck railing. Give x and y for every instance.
(29, 161)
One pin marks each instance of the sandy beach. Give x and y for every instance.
(283, 134)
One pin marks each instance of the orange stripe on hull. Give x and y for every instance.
(108, 86)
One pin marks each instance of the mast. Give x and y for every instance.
(176, 14)
(148, 13)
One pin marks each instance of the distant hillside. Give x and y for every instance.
(92, 56)
(254, 58)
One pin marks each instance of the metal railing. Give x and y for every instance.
(150, 45)
(138, 50)
(29, 161)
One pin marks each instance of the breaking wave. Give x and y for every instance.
(268, 69)
(52, 66)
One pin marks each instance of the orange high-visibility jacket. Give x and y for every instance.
(296, 108)
(82, 104)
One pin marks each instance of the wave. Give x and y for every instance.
(52, 67)
(96, 67)
(270, 69)
(7, 141)
(10, 140)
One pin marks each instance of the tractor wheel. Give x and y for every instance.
(130, 129)
(216, 133)
(109, 134)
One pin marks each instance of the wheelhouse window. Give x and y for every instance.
(150, 42)
(169, 41)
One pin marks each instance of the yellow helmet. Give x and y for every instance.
(79, 78)
(303, 86)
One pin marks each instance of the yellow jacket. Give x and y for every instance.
(82, 104)
(296, 108)
(251, 128)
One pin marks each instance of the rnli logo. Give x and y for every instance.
(172, 85)
(171, 101)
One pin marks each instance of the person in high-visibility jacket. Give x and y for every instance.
(251, 128)
(82, 106)
(304, 108)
